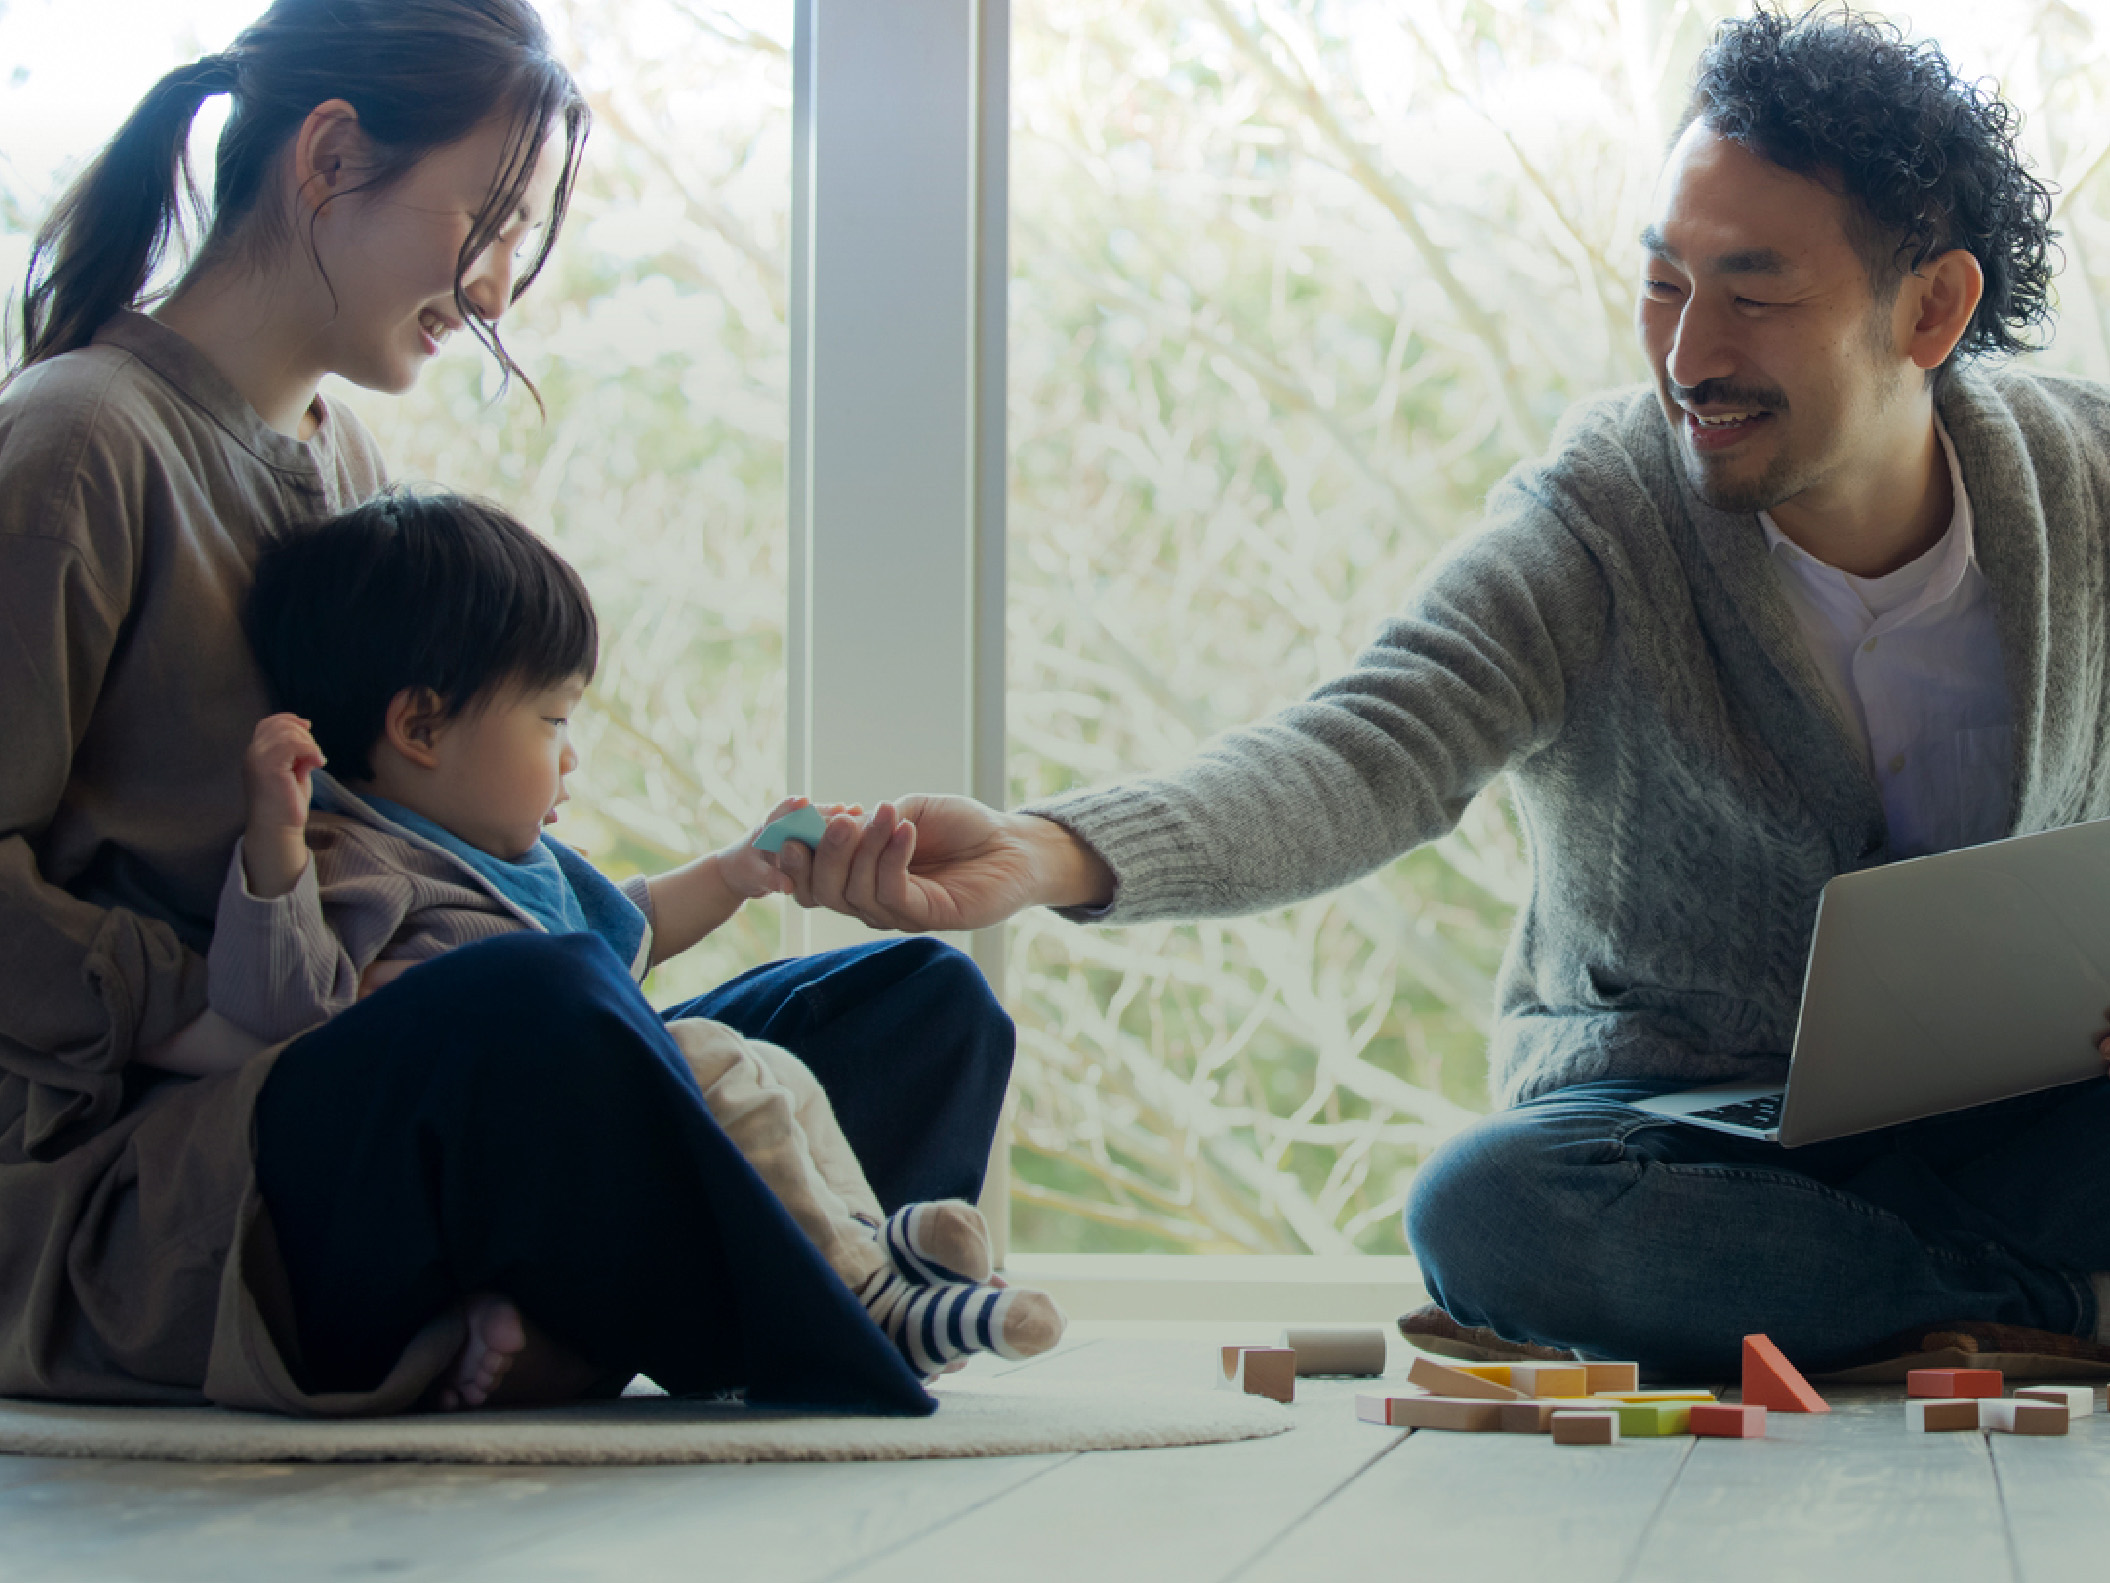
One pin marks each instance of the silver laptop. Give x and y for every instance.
(1935, 984)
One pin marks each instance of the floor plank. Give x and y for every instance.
(1192, 1513)
(2052, 1490)
(1847, 1493)
(769, 1523)
(1482, 1506)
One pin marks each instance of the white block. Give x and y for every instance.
(2005, 1415)
(2079, 1399)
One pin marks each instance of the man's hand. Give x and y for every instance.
(945, 863)
(749, 872)
(277, 774)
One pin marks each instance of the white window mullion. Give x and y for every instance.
(895, 644)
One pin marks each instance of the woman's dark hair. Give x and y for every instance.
(420, 73)
(412, 590)
(1926, 161)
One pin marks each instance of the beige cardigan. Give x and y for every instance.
(135, 1260)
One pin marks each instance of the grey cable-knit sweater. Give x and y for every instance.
(1624, 651)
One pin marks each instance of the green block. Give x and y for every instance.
(1653, 1418)
(801, 824)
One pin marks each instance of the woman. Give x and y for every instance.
(507, 1126)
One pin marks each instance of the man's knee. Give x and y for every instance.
(1503, 1216)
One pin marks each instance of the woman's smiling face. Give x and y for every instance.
(390, 255)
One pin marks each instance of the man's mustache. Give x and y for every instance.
(1727, 393)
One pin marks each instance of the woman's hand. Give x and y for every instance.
(277, 774)
(945, 863)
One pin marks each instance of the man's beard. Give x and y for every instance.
(1778, 482)
(1774, 486)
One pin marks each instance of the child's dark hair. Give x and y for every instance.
(412, 590)
(421, 74)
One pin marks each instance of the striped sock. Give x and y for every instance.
(941, 1324)
(939, 1243)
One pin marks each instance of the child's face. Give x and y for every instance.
(501, 768)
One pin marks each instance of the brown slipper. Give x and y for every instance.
(2016, 1350)
(1432, 1330)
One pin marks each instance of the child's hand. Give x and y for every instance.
(276, 773)
(751, 872)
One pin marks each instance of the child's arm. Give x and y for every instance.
(277, 774)
(691, 901)
(277, 967)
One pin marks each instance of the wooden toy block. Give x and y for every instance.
(1926, 1415)
(1653, 1418)
(1770, 1380)
(2012, 1416)
(1656, 1396)
(1605, 1378)
(1461, 1414)
(806, 824)
(2079, 1399)
(1578, 1426)
(1440, 1379)
(1952, 1382)
(1337, 1349)
(1376, 1409)
(1534, 1415)
(1549, 1379)
(1259, 1371)
(1495, 1373)
(1729, 1420)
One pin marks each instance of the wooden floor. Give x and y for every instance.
(1846, 1496)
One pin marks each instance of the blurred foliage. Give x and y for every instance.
(1294, 282)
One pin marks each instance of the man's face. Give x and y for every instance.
(1778, 370)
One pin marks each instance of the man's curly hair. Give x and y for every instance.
(1926, 161)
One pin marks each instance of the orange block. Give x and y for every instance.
(1770, 1380)
(1952, 1382)
(1729, 1421)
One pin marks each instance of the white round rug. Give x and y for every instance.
(1003, 1418)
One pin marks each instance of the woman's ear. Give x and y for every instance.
(415, 723)
(329, 153)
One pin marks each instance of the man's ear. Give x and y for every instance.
(330, 153)
(414, 724)
(1935, 305)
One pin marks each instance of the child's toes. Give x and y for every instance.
(1032, 1323)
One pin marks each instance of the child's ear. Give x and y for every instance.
(416, 719)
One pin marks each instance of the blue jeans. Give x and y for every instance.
(1575, 1220)
(513, 1117)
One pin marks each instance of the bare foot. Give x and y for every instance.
(507, 1361)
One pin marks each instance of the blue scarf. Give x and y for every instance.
(549, 882)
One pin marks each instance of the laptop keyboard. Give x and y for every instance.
(1762, 1113)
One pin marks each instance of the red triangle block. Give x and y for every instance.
(1770, 1380)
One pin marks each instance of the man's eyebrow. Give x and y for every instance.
(1744, 261)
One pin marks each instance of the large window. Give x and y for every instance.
(658, 339)
(1294, 281)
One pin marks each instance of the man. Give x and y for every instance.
(1826, 597)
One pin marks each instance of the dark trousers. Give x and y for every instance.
(513, 1118)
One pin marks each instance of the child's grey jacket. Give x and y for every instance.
(371, 892)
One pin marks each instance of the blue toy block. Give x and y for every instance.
(801, 824)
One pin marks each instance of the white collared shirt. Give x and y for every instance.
(1913, 662)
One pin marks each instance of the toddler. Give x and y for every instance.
(431, 650)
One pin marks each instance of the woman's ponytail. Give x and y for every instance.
(108, 234)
